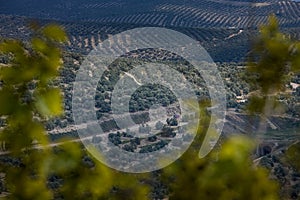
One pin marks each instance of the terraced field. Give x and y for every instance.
(223, 27)
(223, 44)
(188, 13)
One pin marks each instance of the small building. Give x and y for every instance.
(294, 85)
(242, 98)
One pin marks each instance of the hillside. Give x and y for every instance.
(225, 28)
(188, 13)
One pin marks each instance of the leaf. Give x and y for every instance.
(49, 104)
(8, 102)
(256, 105)
(39, 45)
(66, 158)
(237, 148)
(11, 46)
(37, 132)
(293, 155)
(54, 32)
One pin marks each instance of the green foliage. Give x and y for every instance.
(273, 59)
(293, 155)
(227, 173)
(49, 103)
(28, 98)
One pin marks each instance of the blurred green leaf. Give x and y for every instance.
(55, 33)
(293, 155)
(49, 103)
(8, 101)
(39, 45)
(228, 174)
